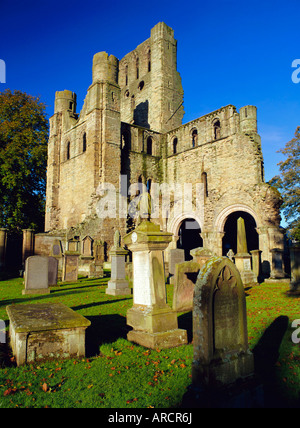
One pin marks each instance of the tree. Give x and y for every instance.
(23, 161)
(288, 183)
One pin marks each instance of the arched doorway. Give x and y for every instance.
(189, 236)
(230, 232)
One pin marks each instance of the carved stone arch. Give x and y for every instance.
(175, 222)
(223, 215)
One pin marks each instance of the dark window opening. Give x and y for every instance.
(149, 146)
(126, 75)
(217, 129)
(71, 106)
(175, 142)
(141, 85)
(204, 182)
(68, 150)
(194, 137)
(149, 185)
(149, 60)
(84, 143)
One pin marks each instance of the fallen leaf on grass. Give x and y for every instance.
(45, 387)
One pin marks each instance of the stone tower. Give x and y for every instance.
(151, 90)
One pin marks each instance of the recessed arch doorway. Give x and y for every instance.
(230, 232)
(189, 236)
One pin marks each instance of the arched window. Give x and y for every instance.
(175, 142)
(149, 59)
(84, 142)
(194, 138)
(149, 146)
(137, 68)
(68, 150)
(217, 129)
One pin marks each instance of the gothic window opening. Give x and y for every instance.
(149, 146)
(175, 142)
(217, 129)
(194, 138)
(84, 143)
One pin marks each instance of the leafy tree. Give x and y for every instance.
(23, 161)
(288, 183)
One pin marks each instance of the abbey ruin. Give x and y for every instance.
(131, 126)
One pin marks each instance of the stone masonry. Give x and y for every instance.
(131, 124)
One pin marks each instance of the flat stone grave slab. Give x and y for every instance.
(46, 331)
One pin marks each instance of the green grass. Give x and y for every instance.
(119, 374)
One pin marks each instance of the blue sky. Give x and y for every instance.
(229, 52)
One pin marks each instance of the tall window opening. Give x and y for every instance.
(84, 142)
(126, 74)
(204, 182)
(149, 60)
(149, 146)
(175, 142)
(68, 150)
(217, 129)
(194, 138)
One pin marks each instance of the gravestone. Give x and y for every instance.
(175, 256)
(52, 271)
(70, 267)
(118, 285)
(201, 255)
(221, 352)
(36, 275)
(184, 283)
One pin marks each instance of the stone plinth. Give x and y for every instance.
(277, 264)
(243, 264)
(118, 285)
(45, 331)
(256, 263)
(154, 323)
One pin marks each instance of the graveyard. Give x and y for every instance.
(107, 376)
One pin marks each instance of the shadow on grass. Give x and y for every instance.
(266, 354)
(104, 329)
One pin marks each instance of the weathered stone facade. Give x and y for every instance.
(131, 124)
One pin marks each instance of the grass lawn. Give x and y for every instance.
(119, 374)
